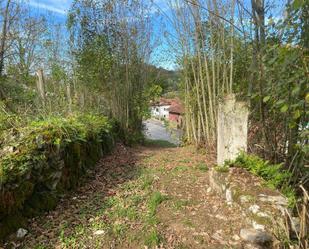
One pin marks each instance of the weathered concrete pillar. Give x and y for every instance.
(41, 85)
(232, 128)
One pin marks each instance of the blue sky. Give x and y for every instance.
(59, 7)
(162, 56)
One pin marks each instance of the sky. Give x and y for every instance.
(163, 56)
(59, 7)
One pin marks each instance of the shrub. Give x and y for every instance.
(274, 175)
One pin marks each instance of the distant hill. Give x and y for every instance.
(167, 79)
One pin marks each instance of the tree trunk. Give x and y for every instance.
(4, 36)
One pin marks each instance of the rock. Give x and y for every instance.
(244, 199)
(250, 246)
(218, 237)
(208, 190)
(236, 237)
(220, 217)
(263, 215)
(21, 233)
(229, 196)
(255, 236)
(99, 232)
(7, 149)
(258, 226)
(277, 200)
(254, 208)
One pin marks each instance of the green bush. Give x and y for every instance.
(29, 141)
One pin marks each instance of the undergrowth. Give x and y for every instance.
(25, 144)
(274, 175)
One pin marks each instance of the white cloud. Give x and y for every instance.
(58, 6)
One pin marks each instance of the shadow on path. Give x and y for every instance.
(79, 207)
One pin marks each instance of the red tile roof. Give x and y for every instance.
(176, 107)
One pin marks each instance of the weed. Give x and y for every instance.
(186, 160)
(39, 247)
(222, 168)
(202, 167)
(188, 223)
(119, 230)
(153, 238)
(179, 204)
(181, 168)
(155, 200)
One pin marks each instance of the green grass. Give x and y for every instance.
(137, 203)
(179, 204)
(181, 168)
(202, 167)
(222, 168)
(155, 200)
(153, 238)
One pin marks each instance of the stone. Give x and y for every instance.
(250, 246)
(262, 215)
(99, 232)
(208, 190)
(255, 236)
(244, 199)
(229, 196)
(258, 226)
(277, 200)
(218, 237)
(21, 233)
(254, 208)
(236, 237)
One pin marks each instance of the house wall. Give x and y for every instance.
(160, 111)
(173, 117)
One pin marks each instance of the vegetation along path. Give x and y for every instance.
(152, 196)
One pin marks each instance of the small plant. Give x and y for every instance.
(155, 200)
(222, 168)
(153, 238)
(202, 167)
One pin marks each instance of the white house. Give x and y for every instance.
(160, 109)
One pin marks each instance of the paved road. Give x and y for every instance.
(155, 130)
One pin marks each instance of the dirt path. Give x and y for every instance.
(145, 197)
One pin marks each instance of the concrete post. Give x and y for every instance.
(232, 128)
(41, 85)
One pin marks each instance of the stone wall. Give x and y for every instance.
(59, 170)
(232, 129)
(262, 208)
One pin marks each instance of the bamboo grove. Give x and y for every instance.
(206, 45)
(232, 47)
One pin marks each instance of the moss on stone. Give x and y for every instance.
(50, 157)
